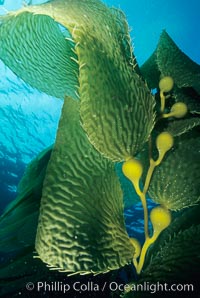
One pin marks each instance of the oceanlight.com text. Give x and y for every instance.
(152, 288)
(77, 286)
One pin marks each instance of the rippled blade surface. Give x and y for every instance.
(18, 223)
(189, 97)
(179, 247)
(172, 61)
(117, 109)
(81, 226)
(150, 71)
(176, 182)
(34, 48)
(177, 128)
(116, 106)
(18, 226)
(175, 253)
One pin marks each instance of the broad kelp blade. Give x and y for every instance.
(181, 221)
(36, 50)
(124, 37)
(181, 251)
(19, 221)
(117, 108)
(173, 62)
(18, 226)
(169, 60)
(173, 259)
(81, 225)
(175, 182)
(20, 270)
(179, 127)
(189, 97)
(150, 72)
(179, 248)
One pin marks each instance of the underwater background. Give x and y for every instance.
(29, 118)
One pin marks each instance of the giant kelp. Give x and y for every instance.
(18, 228)
(95, 36)
(81, 204)
(27, 53)
(175, 182)
(115, 75)
(108, 116)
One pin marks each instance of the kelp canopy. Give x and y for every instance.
(71, 194)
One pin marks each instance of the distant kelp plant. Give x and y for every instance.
(69, 211)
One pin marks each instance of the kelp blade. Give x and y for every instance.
(81, 226)
(34, 48)
(117, 108)
(18, 226)
(175, 182)
(173, 62)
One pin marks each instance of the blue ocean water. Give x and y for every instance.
(147, 19)
(28, 123)
(29, 118)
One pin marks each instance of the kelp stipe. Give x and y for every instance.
(165, 85)
(160, 217)
(175, 182)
